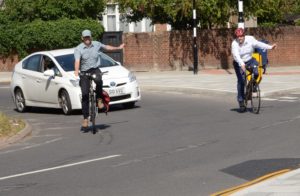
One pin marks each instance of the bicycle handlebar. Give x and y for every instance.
(92, 75)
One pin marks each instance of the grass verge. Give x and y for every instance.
(10, 126)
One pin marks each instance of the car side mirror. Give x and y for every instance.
(118, 62)
(49, 73)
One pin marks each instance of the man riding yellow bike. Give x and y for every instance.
(242, 49)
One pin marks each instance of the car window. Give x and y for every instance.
(33, 63)
(47, 64)
(66, 61)
(106, 61)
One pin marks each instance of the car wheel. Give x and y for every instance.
(20, 101)
(129, 105)
(65, 102)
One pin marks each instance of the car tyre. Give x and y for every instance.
(129, 105)
(20, 101)
(65, 102)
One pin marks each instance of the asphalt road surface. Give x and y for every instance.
(170, 144)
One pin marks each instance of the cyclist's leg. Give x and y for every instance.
(85, 88)
(240, 81)
(99, 88)
(253, 64)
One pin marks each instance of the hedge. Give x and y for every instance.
(24, 38)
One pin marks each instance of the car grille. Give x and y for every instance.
(120, 84)
(118, 98)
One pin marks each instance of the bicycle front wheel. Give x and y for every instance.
(255, 99)
(93, 113)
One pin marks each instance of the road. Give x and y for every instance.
(171, 144)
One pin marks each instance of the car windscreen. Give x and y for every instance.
(106, 61)
(66, 61)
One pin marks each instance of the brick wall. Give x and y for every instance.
(8, 63)
(173, 50)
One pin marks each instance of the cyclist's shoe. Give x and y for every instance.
(100, 103)
(85, 123)
(242, 106)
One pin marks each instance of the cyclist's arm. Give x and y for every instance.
(77, 62)
(110, 48)
(236, 55)
(261, 45)
(76, 65)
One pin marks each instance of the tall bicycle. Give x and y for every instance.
(93, 109)
(252, 90)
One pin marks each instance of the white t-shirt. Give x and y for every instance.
(243, 52)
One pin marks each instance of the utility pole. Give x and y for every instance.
(195, 47)
(241, 15)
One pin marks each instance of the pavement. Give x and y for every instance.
(278, 81)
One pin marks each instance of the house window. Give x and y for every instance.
(111, 17)
(113, 20)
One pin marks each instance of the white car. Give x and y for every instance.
(46, 79)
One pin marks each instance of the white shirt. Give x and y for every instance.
(243, 52)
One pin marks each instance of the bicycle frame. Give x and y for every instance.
(250, 94)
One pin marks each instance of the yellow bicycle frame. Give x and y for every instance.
(258, 57)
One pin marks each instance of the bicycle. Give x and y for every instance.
(93, 109)
(252, 89)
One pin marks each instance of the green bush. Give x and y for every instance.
(24, 38)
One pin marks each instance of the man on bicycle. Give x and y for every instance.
(242, 48)
(87, 60)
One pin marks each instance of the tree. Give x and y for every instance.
(178, 13)
(29, 10)
(210, 13)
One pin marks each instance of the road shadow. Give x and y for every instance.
(253, 169)
(58, 111)
(238, 110)
(105, 136)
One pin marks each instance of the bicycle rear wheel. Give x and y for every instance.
(256, 100)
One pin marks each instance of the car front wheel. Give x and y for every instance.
(20, 101)
(65, 102)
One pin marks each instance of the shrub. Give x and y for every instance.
(24, 38)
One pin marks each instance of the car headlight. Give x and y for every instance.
(131, 77)
(75, 83)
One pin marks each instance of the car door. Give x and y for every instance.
(50, 85)
(31, 77)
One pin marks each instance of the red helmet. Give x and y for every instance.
(239, 32)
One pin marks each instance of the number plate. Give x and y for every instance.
(116, 91)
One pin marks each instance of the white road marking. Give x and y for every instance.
(58, 167)
(292, 98)
(47, 135)
(269, 99)
(32, 146)
(286, 100)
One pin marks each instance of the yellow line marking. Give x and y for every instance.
(230, 191)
